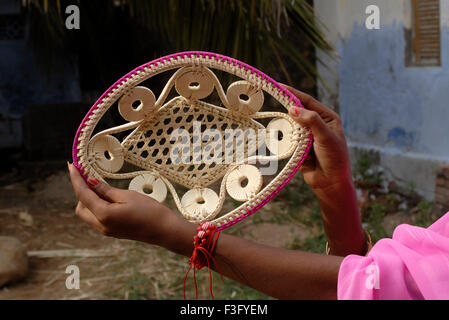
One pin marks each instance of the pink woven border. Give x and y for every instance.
(218, 57)
(272, 195)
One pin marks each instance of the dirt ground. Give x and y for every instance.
(40, 212)
(41, 215)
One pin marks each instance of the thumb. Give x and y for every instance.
(103, 190)
(311, 119)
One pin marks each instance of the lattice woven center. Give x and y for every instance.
(149, 146)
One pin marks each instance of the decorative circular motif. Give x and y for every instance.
(279, 132)
(144, 138)
(136, 104)
(244, 97)
(244, 182)
(194, 84)
(107, 153)
(149, 185)
(200, 204)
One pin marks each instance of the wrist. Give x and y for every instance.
(344, 189)
(177, 234)
(341, 218)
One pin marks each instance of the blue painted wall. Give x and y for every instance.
(385, 103)
(400, 113)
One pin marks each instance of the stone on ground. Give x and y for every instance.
(13, 260)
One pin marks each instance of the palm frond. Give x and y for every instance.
(256, 31)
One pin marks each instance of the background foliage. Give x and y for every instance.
(264, 33)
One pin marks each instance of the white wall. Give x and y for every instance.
(400, 112)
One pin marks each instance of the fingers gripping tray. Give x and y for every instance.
(196, 140)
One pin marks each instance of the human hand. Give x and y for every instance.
(123, 213)
(328, 164)
(327, 171)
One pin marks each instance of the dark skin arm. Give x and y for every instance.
(281, 273)
(328, 173)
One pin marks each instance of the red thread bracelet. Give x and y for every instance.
(204, 244)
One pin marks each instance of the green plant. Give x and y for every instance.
(425, 206)
(392, 200)
(316, 242)
(424, 216)
(138, 287)
(364, 162)
(295, 199)
(373, 217)
(257, 31)
(366, 176)
(411, 189)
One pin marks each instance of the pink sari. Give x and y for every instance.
(414, 264)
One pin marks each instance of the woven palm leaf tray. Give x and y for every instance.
(195, 140)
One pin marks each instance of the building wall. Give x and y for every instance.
(23, 84)
(400, 112)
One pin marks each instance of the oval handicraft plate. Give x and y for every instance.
(196, 140)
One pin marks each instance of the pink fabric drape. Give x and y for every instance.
(414, 264)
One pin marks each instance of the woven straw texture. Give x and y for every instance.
(189, 143)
